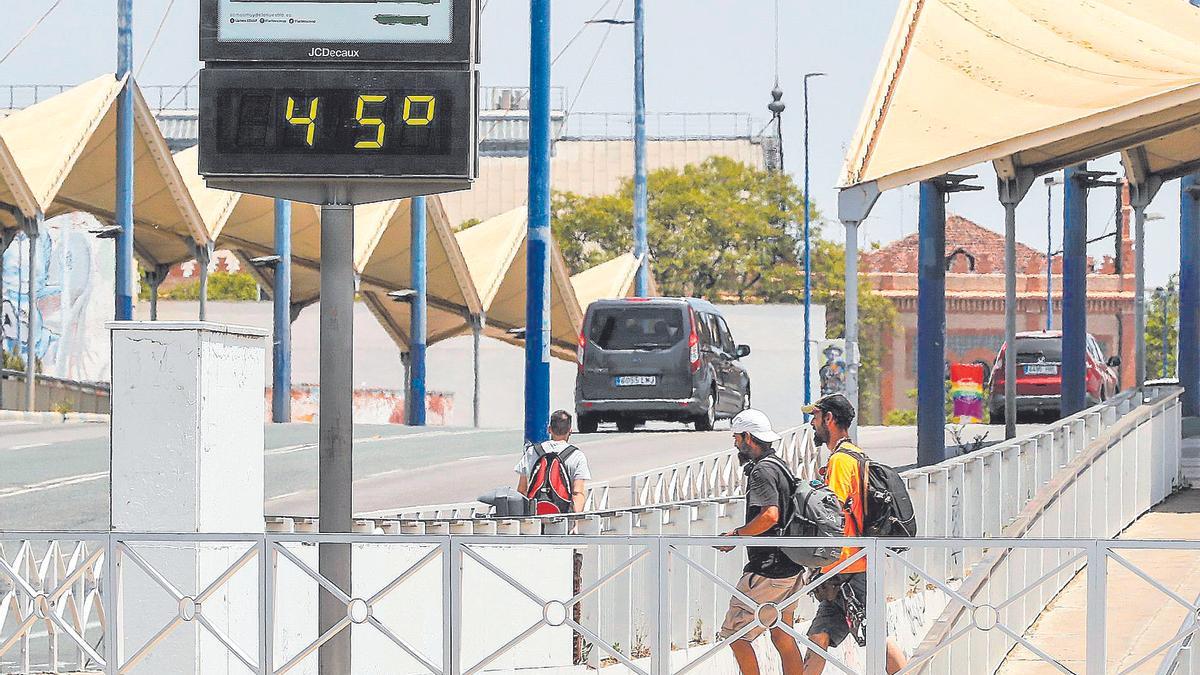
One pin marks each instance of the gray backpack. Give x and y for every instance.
(814, 511)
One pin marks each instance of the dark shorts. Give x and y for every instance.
(831, 616)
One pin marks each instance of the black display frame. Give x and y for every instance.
(459, 163)
(462, 49)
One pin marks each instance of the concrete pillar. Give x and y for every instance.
(187, 443)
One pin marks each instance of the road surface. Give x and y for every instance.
(55, 476)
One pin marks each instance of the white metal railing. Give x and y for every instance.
(471, 603)
(719, 474)
(597, 499)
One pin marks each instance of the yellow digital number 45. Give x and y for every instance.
(380, 127)
(310, 121)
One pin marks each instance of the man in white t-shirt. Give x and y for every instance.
(575, 462)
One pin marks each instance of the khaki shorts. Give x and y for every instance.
(762, 590)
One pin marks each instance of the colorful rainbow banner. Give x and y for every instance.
(966, 391)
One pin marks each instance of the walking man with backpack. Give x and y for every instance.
(770, 577)
(843, 597)
(554, 474)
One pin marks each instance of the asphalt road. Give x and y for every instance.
(55, 477)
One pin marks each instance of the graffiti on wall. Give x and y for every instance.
(371, 406)
(73, 298)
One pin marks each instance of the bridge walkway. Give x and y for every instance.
(1140, 618)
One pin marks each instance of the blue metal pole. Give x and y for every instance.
(640, 190)
(1189, 294)
(1074, 303)
(807, 266)
(124, 207)
(416, 346)
(1049, 260)
(931, 326)
(537, 271)
(281, 354)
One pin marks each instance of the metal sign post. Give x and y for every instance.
(338, 103)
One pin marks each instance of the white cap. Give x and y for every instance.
(755, 423)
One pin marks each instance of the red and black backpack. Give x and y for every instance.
(550, 482)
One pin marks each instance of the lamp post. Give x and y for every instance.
(807, 258)
(1050, 181)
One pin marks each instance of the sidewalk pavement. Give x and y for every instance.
(51, 417)
(1140, 618)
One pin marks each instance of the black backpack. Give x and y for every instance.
(549, 481)
(814, 511)
(888, 511)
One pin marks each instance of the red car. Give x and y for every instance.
(1039, 375)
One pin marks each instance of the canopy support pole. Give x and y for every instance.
(203, 256)
(537, 273)
(1012, 190)
(124, 170)
(154, 278)
(1074, 310)
(477, 323)
(1140, 195)
(33, 229)
(6, 238)
(931, 315)
(281, 297)
(854, 205)
(931, 325)
(1189, 293)
(418, 307)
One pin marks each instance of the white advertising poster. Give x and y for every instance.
(402, 21)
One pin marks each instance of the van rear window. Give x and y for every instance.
(636, 327)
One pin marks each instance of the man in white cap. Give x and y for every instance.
(770, 577)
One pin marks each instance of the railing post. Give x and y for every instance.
(452, 606)
(1097, 576)
(266, 615)
(661, 657)
(112, 608)
(876, 609)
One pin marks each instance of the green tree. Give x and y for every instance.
(725, 231)
(717, 230)
(1162, 320)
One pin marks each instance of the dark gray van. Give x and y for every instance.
(670, 359)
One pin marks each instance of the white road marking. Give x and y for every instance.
(289, 449)
(51, 484)
(28, 446)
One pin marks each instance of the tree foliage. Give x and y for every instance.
(728, 232)
(1162, 321)
(717, 230)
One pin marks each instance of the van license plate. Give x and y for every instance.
(1041, 370)
(636, 380)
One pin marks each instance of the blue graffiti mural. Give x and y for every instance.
(70, 280)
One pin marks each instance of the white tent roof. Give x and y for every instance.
(1039, 84)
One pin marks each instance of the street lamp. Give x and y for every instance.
(1050, 181)
(641, 246)
(807, 256)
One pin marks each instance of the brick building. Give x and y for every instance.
(975, 301)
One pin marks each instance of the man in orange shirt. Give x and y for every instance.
(831, 418)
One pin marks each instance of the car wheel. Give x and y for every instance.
(997, 416)
(706, 421)
(588, 424)
(626, 426)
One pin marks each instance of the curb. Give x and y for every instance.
(52, 417)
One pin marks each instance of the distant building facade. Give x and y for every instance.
(975, 300)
